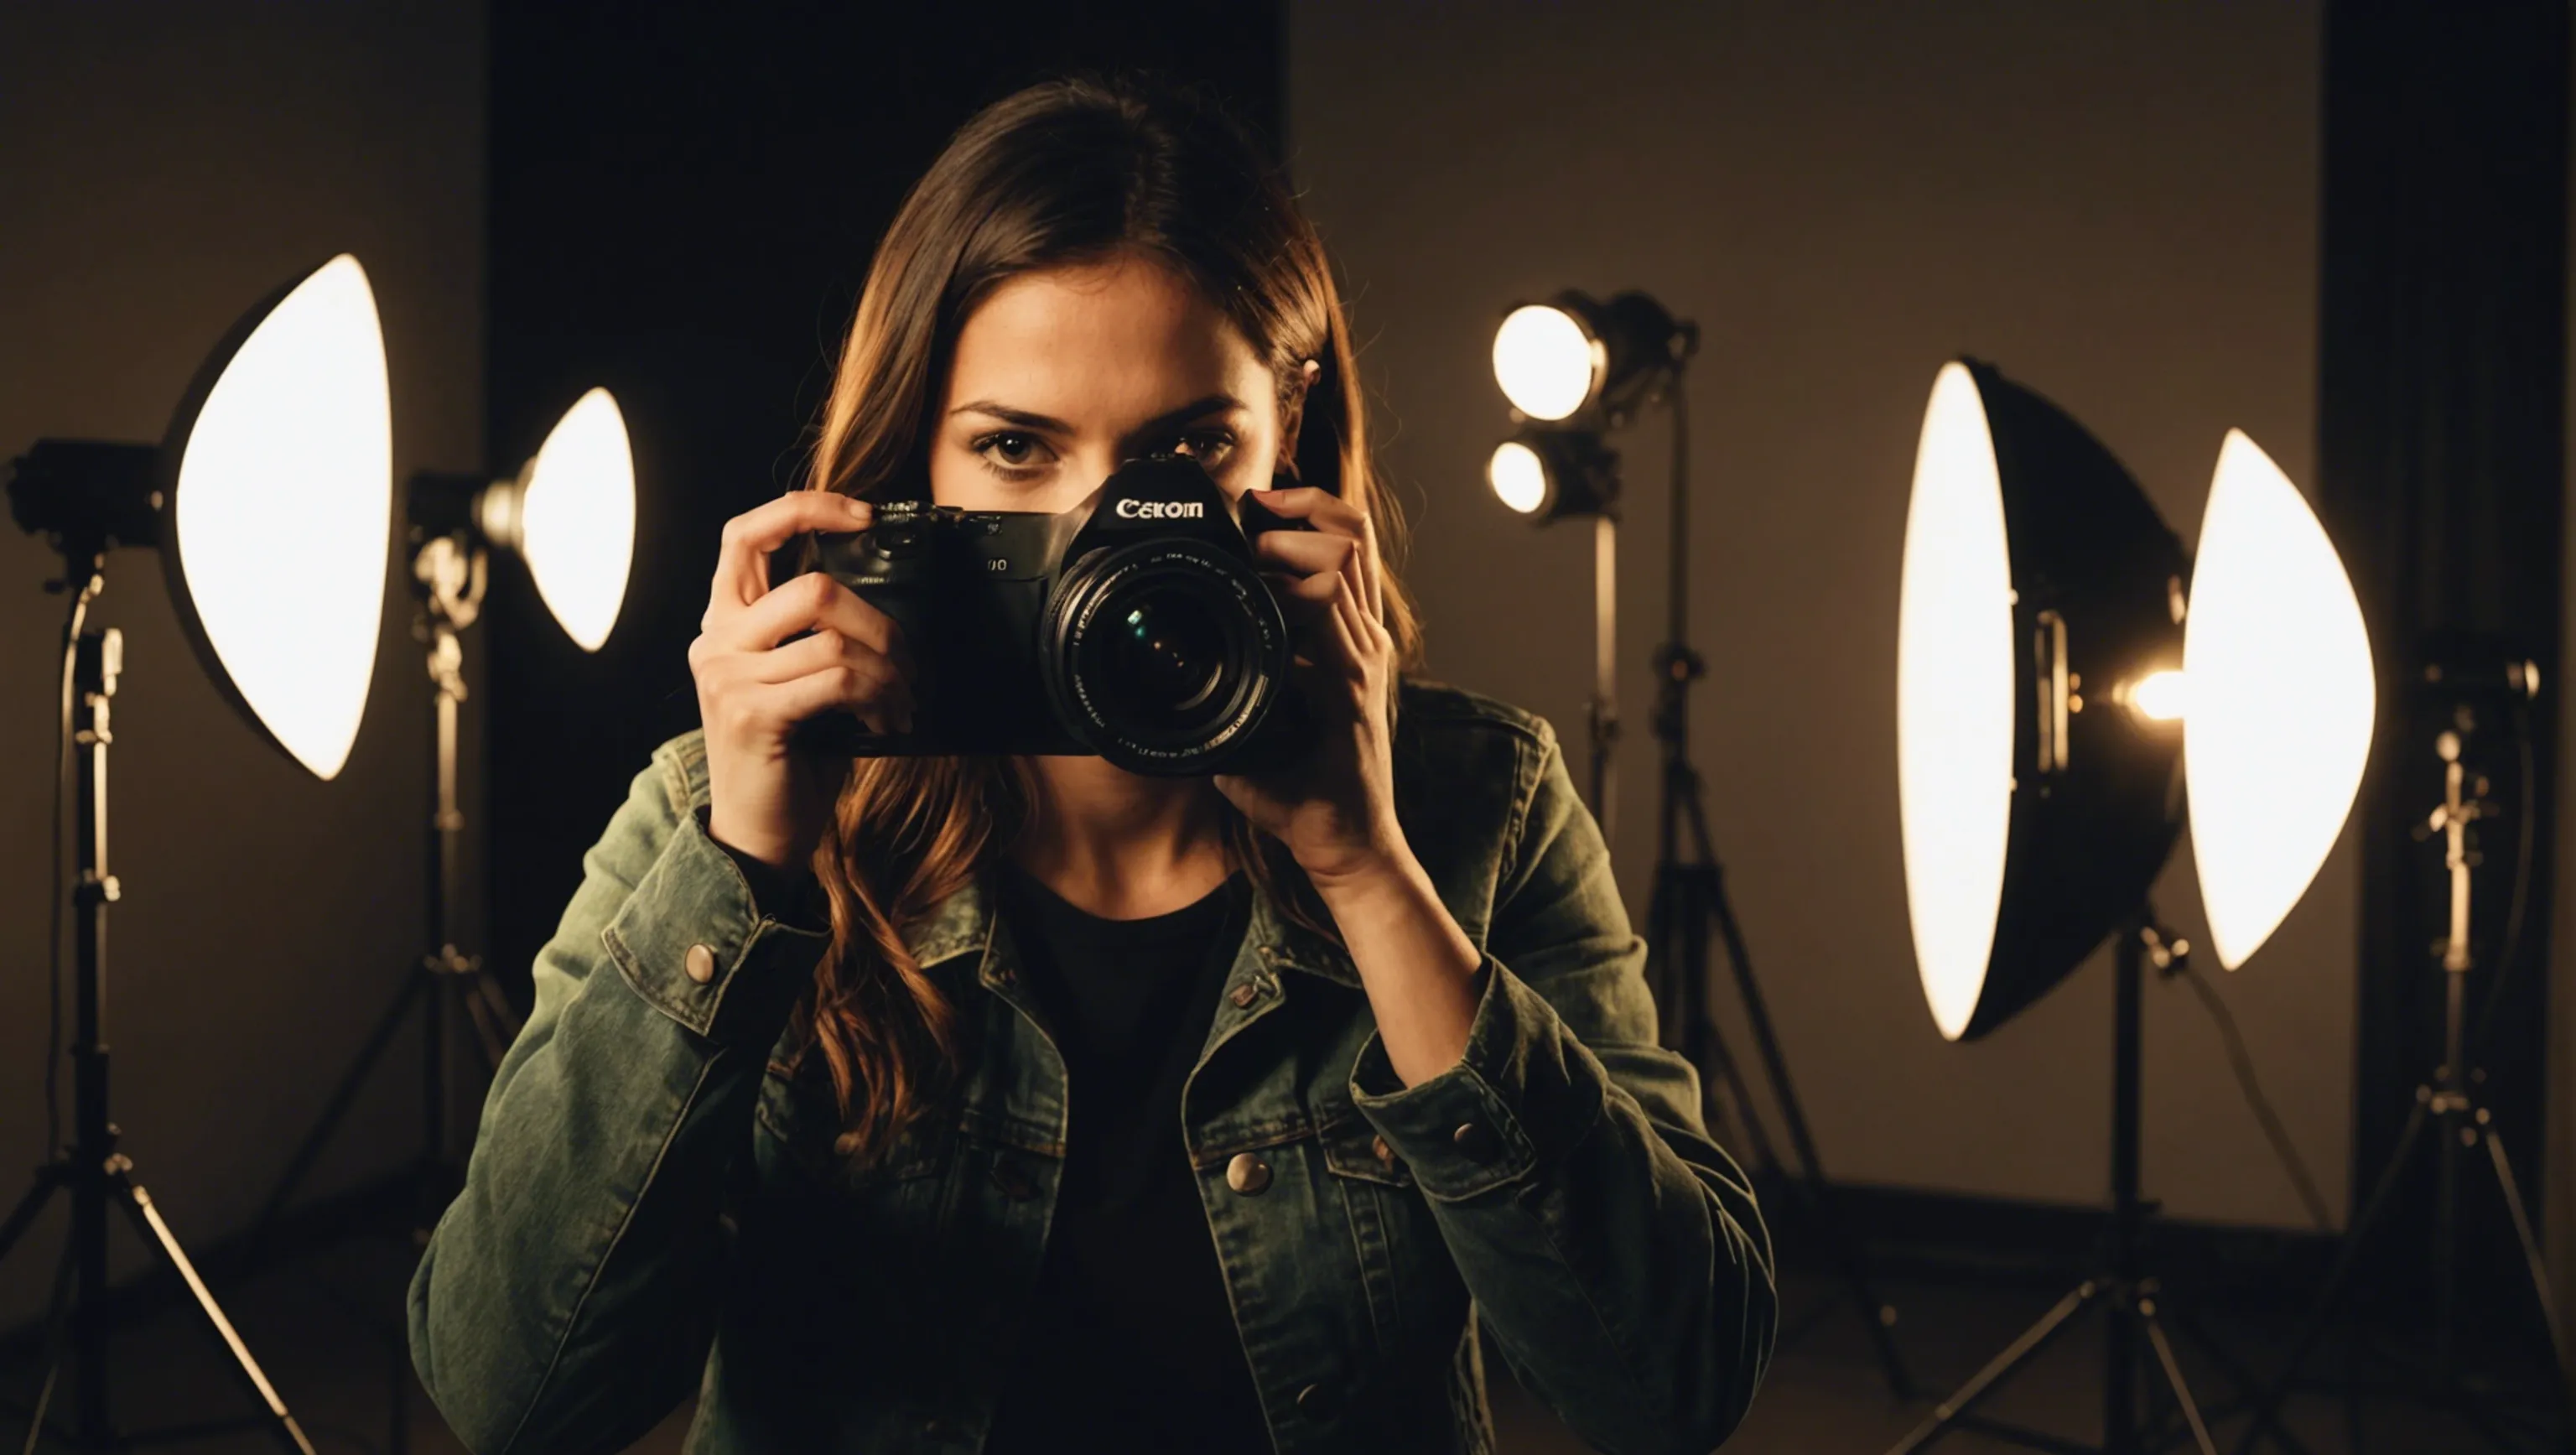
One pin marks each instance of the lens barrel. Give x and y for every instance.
(1165, 654)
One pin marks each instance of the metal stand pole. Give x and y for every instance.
(2127, 1292)
(91, 1170)
(2446, 1105)
(1689, 896)
(1605, 673)
(451, 579)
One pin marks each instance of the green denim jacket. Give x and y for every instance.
(655, 1204)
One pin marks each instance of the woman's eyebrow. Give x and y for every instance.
(1044, 423)
(1021, 417)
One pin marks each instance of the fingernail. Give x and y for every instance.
(856, 505)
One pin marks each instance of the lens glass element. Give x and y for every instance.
(1166, 654)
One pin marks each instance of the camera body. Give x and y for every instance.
(1135, 625)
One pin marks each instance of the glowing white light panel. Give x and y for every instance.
(1954, 699)
(2282, 699)
(284, 513)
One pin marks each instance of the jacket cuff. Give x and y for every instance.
(794, 897)
(695, 945)
(1523, 1093)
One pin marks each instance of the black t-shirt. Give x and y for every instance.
(1131, 1342)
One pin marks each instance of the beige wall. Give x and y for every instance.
(162, 166)
(2115, 202)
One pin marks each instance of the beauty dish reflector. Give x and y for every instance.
(2035, 572)
(2282, 699)
(280, 517)
(576, 523)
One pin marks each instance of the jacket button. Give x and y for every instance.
(1477, 1140)
(702, 964)
(1247, 1174)
(1385, 1153)
(1319, 1401)
(1013, 1183)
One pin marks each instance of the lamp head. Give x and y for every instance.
(569, 513)
(1546, 475)
(270, 502)
(1573, 356)
(2036, 577)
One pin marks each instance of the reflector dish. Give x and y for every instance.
(577, 520)
(2282, 699)
(281, 514)
(1954, 699)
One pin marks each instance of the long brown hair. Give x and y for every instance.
(1065, 173)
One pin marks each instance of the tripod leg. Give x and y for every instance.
(2246, 1385)
(2268, 1412)
(58, 1330)
(2015, 1354)
(23, 1216)
(2173, 1379)
(138, 1204)
(2530, 1246)
(343, 1097)
(489, 1044)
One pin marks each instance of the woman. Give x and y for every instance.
(850, 1096)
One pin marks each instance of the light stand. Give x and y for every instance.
(2447, 1105)
(450, 574)
(91, 1170)
(1689, 896)
(2123, 1287)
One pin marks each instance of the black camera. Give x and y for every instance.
(1135, 625)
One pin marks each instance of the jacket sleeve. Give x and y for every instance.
(1615, 1253)
(566, 1300)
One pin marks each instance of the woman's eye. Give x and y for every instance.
(1011, 449)
(1206, 446)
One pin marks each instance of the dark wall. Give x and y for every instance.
(684, 202)
(164, 165)
(2442, 446)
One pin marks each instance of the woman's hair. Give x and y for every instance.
(1066, 173)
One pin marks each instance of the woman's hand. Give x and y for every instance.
(770, 801)
(1335, 806)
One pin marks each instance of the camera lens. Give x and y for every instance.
(1164, 654)
(1167, 655)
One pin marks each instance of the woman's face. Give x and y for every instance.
(1062, 374)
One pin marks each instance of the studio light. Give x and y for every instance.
(1574, 356)
(270, 504)
(569, 513)
(2066, 683)
(1546, 475)
(270, 500)
(2035, 572)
